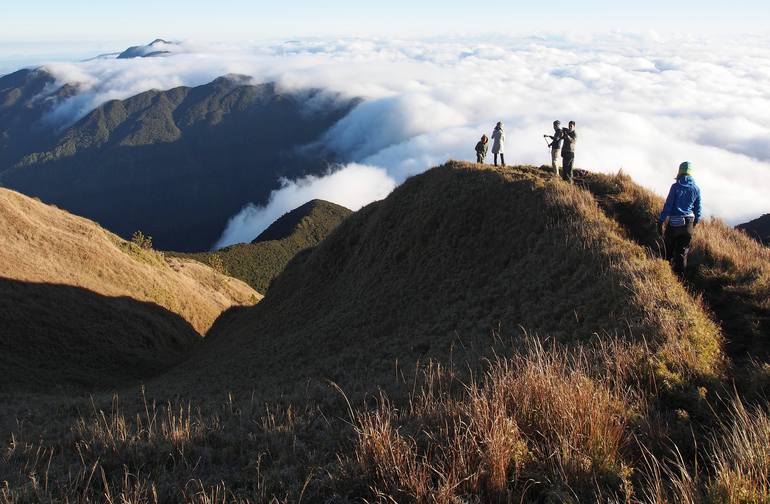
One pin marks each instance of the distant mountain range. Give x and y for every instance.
(176, 164)
(26, 98)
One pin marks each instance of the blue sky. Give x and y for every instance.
(37, 31)
(135, 21)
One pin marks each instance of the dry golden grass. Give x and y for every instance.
(732, 466)
(42, 244)
(403, 297)
(728, 252)
(84, 309)
(740, 458)
(144, 452)
(544, 423)
(685, 341)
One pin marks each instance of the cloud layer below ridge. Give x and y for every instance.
(642, 103)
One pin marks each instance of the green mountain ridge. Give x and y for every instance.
(177, 164)
(26, 97)
(258, 263)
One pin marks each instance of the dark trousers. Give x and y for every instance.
(567, 160)
(502, 159)
(677, 239)
(479, 158)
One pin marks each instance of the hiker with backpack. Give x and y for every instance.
(569, 135)
(555, 145)
(481, 149)
(680, 215)
(498, 143)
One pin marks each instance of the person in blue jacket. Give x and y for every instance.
(680, 215)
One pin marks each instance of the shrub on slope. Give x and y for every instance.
(82, 307)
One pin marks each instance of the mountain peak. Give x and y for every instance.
(258, 263)
(313, 212)
(158, 47)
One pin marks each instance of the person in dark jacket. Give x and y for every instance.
(569, 135)
(481, 149)
(680, 215)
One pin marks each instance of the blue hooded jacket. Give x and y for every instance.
(683, 200)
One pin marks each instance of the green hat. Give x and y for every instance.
(685, 169)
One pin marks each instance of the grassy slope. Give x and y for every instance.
(259, 262)
(451, 256)
(730, 271)
(83, 307)
(578, 420)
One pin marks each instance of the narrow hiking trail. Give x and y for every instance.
(729, 273)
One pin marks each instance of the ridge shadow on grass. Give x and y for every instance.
(62, 339)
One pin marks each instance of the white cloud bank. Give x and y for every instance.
(642, 103)
(353, 187)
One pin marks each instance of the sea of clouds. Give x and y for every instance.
(643, 104)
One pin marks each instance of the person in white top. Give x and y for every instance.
(498, 143)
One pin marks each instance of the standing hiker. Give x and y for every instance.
(680, 214)
(555, 145)
(569, 135)
(481, 149)
(498, 143)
